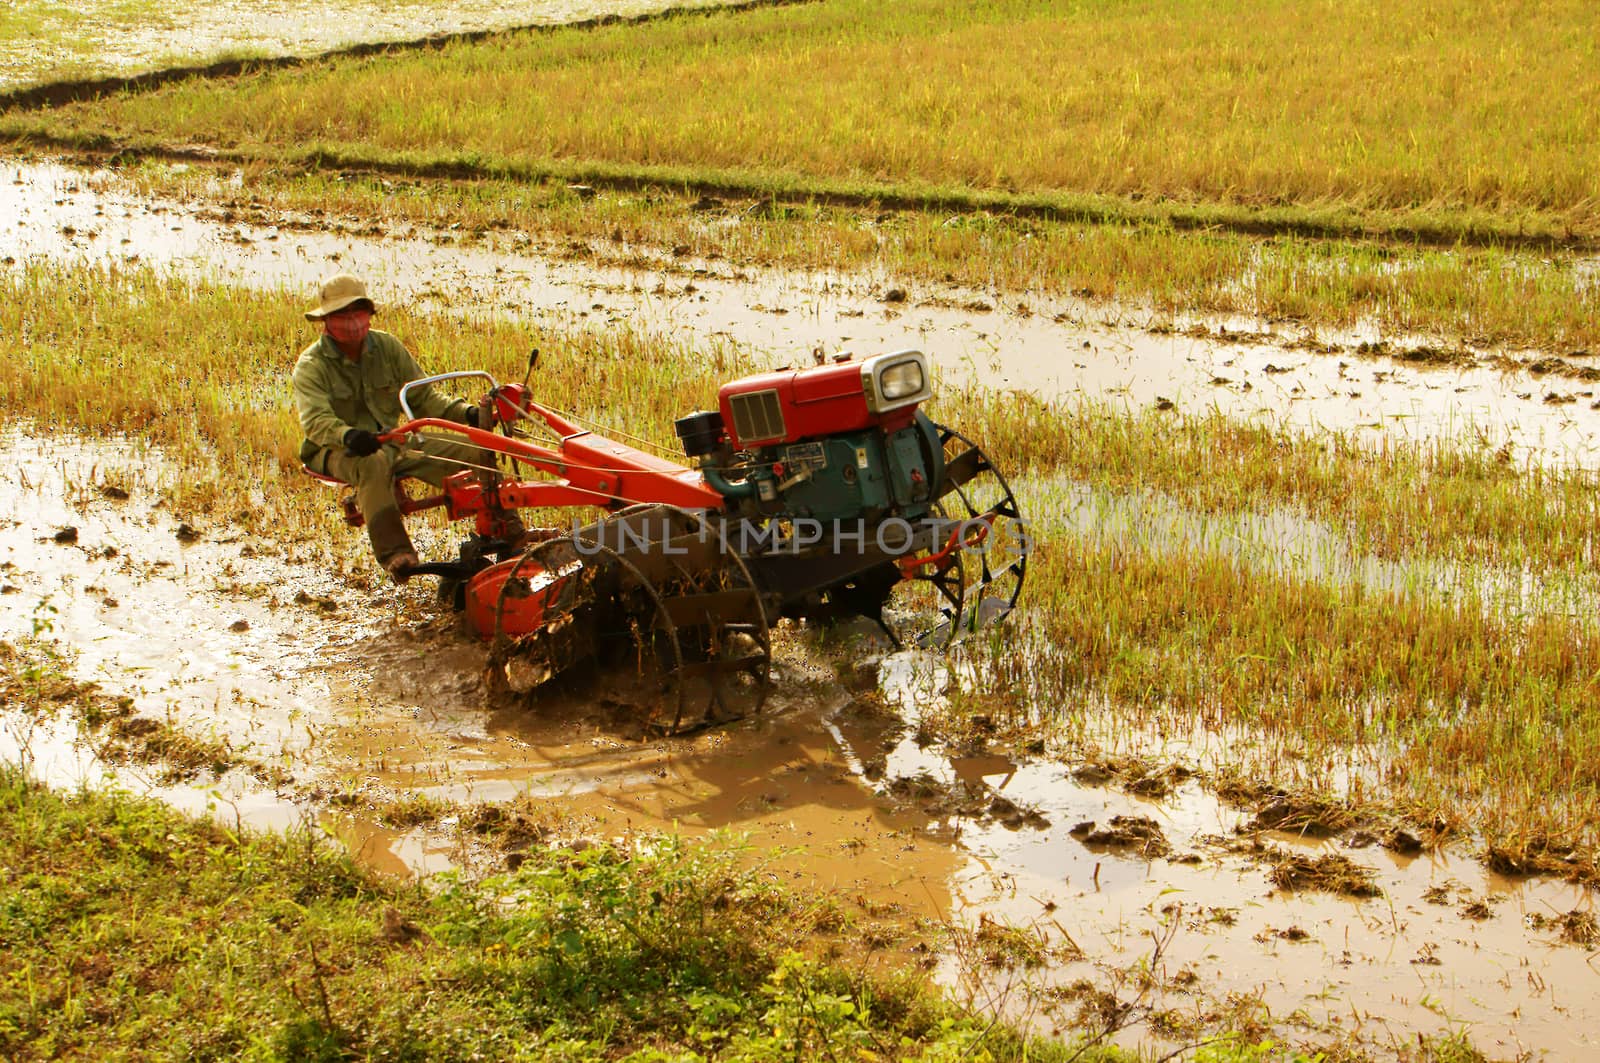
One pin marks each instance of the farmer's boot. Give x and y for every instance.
(391, 544)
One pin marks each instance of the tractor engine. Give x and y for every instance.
(839, 441)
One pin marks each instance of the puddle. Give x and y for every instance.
(357, 703)
(61, 213)
(87, 38)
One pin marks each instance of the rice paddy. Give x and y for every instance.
(1348, 635)
(1142, 614)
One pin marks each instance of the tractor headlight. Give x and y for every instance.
(895, 380)
(899, 380)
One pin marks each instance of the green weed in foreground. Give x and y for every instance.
(132, 932)
(1450, 116)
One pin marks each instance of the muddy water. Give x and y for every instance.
(1053, 348)
(84, 37)
(379, 698)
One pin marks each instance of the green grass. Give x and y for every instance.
(134, 933)
(1282, 162)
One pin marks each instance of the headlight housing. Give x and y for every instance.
(891, 381)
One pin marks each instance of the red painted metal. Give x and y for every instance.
(962, 536)
(589, 470)
(824, 400)
(523, 612)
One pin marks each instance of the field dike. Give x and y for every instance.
(312, 698)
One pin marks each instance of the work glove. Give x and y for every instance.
(482, 415)
(358, 443)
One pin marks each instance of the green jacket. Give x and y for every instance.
(334, 394)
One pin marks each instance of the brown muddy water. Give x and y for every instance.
(1055, 348)
(85, 37)
(363, 696)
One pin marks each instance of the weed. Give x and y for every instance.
(132, 930)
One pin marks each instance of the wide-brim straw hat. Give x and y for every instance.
(339, 291)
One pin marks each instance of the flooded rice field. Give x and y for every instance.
(338, 700)
(1055, 348)
(92, 38)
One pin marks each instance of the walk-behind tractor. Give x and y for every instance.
(818, 494)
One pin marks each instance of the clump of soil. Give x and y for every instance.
(1139, 833)
(126, 738)
(1305, 814)
(1576, 927)
(1136, 776)
(1332, 872)
(514, 825)
(1540, 854)
(942, 799)
(412, 810)
(1006, 947)
(1315, 815)
(1559, 367)
(37, 681)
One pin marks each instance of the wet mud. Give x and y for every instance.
(1373, 386)
(1051, 877)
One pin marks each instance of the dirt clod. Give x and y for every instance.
(1332, 872)
(1307, 815)
(1125, 832)
(516, 825)
(1576, 927)
(66, 536)
(1541, 854)
(1403, 842)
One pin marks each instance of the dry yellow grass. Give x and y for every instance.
(1459, 106)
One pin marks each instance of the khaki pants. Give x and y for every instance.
(430, 459)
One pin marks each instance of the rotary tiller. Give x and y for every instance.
(817, 494)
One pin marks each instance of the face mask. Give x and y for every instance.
(348, 327)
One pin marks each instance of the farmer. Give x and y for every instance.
(347, 391)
